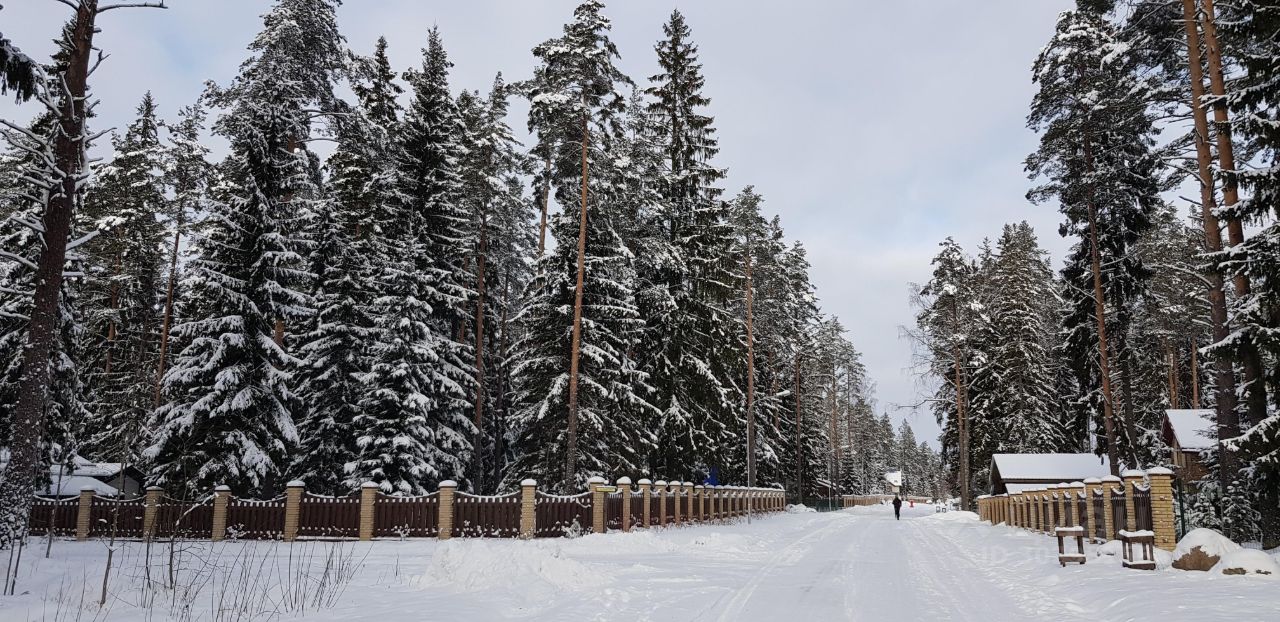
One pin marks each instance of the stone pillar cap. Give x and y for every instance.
(297, 483)
(688, 483)
(697, 487)
(644, 481)
(370, 485)
(1133, 473)
(1111, 478)
(528, 482)
(448, 484)
(1077, 484)
(87, 489)
(596, 479)
(624, 481)
(1092, 480)
(150, 488)
(1063, 485)
(1159, 471)
(661, 482)
(222, 488)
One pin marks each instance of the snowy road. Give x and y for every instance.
(852, 565)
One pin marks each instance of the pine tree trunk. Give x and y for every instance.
(571, 445)
(751, 373)
(168, 311)
(798, 442)
(835, 432)
(546, 201)
(1225, 389)
(1195, 374)
(478, 418)
(962, 405)
(1256, 388)
(111, 325)
(1100, 313)
(18, 485)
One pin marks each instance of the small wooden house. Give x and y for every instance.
(1187, 432)
(1014, 473)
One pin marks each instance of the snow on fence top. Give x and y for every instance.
(1192, 428)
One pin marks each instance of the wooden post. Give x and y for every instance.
(221, 498)
(292, 508)
(596, 485)
(1162, 522)
(624, 486)
(154, 495)
(528, 509)
(1108, 484)
(662, 502)
(368, 503)
(646, 489)
(445, 519)
(84, 513)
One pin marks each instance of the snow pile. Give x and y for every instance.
(1248, 561)
(799, 508)
(1201, 549)
(470, 565)
(956, 516)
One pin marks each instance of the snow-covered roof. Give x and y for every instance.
(894, 478)
(1049, 467)
(88, 468)
(1192, 427)
(70, 486)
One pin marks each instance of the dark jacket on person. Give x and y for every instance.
(897, 503)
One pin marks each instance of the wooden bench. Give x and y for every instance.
(1146, 541)
(1070, 532)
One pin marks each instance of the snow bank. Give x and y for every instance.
(799, 508)
(469, 565)
(1202, 549)
(1248, 561)
(953, 516)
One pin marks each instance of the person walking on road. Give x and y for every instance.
(897, 507)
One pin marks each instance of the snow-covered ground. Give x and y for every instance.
(857, 564)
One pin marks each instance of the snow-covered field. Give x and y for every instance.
(857, 564)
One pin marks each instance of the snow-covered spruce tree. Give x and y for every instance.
(229, 418)
(1255, 100)
(579, 409)
(946, 321)
(500, 217)
(361, 192)
(1020, 407)
(687, 348)
(1096, 156)
(416, 428)
(120, 294)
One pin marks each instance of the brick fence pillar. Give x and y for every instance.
(292, 508)
(660, 495)
(528, 509)
(1162, 508)
(84, 512)
(624, 487)
(677, 494)
(149, 511)
(368, 503)
(700, 498)
(221, 498)
(688, 506)
(646, 502)
(1109, 483)
(596, 486)
(1131, 477)
(444, 521)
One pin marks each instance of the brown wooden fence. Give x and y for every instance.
(370, 514)
(61, 513)
(478, 516)
(557, 516)
(329, 517)
(406, 517)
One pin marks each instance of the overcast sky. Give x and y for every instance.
(875, 129)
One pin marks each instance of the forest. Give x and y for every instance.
(437, 299)
(1159, 128)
